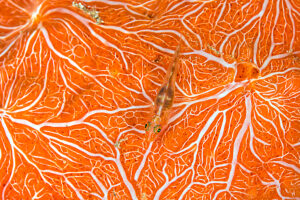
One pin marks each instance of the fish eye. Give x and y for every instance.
(147, 126)
(157, 129)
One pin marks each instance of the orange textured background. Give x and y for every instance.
(76, 90)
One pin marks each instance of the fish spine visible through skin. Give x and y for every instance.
(164, 99)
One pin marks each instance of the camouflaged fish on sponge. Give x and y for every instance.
(164, 101)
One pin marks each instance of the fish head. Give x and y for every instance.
(153, 128)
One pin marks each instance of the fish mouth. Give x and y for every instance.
(151, 136)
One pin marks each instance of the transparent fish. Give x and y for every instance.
(164, 101)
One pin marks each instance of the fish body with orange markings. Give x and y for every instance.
(163, 101)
